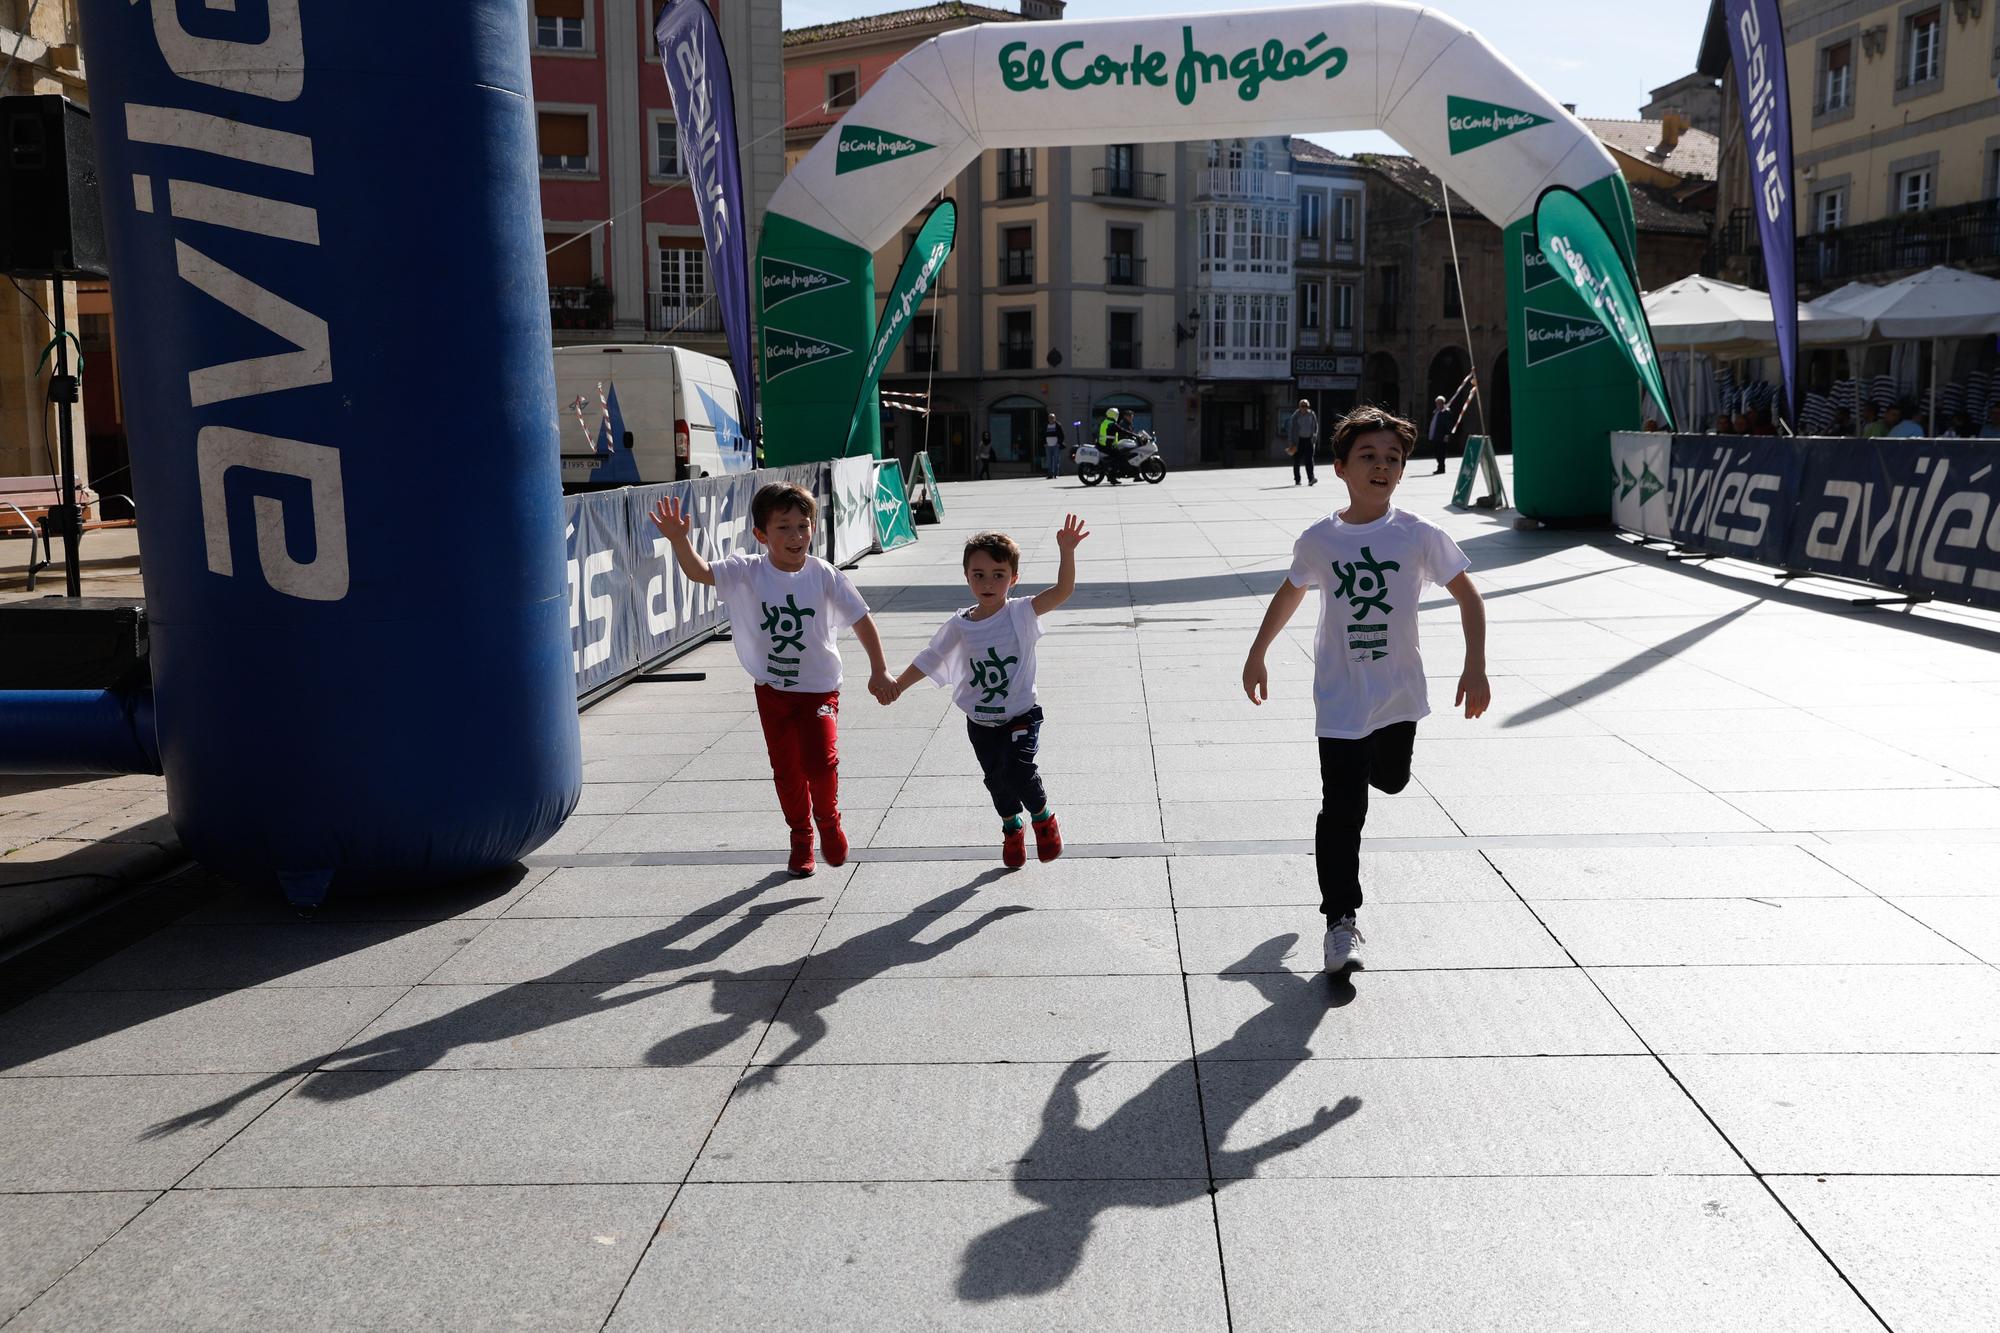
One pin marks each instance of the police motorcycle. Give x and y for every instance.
(1142, 460)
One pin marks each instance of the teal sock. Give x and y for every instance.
(1012, 823)
(1048, 813)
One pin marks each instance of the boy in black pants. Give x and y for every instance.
(987, 654)
(1370, 562)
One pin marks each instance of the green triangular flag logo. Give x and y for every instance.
(1475, 124)
(1551, 335)
(786, 352)
(781, 280)
(861, 147)
(1626, 481)
(1649, 485)
(1535, 268)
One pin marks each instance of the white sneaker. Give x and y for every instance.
(1341, 942)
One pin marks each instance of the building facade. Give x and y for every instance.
(1895, 141)
(1330, 259)
(626, 262)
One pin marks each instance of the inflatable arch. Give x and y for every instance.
(335, 361)
(1488, 132)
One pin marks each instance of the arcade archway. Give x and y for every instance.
(1490, 135)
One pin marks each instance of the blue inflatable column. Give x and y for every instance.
(333, 339)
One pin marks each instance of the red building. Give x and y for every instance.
(625, 255)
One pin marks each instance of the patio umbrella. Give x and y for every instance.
(1696, 312)
(1937, 303)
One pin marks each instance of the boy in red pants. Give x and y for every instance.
(786, 606)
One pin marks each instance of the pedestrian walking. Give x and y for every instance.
(1370, 562)
(983, 460)
(1052, 447)
(1302, 432)
(1445, 417)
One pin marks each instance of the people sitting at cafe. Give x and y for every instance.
(1872, 425)
(1901, 419)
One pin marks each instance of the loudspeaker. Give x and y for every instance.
(51, 216)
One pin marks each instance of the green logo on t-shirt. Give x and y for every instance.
(1365, 584)
(786, 624)
(990, 675)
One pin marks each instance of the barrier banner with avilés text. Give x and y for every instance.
(1917, 515)
(1733, 495)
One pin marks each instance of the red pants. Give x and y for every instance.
(802, 732)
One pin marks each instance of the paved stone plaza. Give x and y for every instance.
(1681, 1008)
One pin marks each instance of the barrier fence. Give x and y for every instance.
(629, 603)
(1915, 516)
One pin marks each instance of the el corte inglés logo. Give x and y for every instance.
(1551, 335)
(782, 280)
(861, 147)
(1025, 69)
(785, 352)
(1476, 124)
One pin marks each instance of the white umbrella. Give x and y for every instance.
(1722, 317)
(1937, 303)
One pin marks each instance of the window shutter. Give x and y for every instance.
(559, 9)
(563, 134)
(1837, 57)
(569, 266)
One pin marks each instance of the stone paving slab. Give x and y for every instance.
(1002, 941)
(49, 1234)
(1665, 1254)
(1925, 1249)
(106, 1132)
(1120, 1256)
(550, 1257)
(1540, 874)
(616, 951)
(1129, 882)
(1405, 935)
(1879, 1008)
(1677, 932)
(1391, 877)
(295, 953)
(1971, 923)
(184, 1031)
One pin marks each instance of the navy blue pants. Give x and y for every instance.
(1007, 758)
(1347, 769)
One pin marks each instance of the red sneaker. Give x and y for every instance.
(1013, 847)
(833, 843)
(1048, 838)
(802, 855)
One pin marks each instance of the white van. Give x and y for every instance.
(635, 413)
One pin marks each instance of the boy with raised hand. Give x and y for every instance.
(1370, 562)
(785, 607)
(986, 654)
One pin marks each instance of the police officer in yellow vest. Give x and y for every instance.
(1109, 432)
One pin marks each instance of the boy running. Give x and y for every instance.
(1370, 562)
(987, 654)
(786, 606)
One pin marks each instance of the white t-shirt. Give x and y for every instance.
(989, 664)
(784, 624)
(1367, 672)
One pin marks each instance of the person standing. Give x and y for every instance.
(1303, 433)
(1445, 416)
(983, 461)
(1052, 444)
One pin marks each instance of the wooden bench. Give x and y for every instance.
(24, 509)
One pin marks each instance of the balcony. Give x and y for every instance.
(1247, 184)
(673, 314)
(1238, 364)
(580, 307)
(1017, 354)
(1017, 270)
(1147, 187)
(1967, 235)
(1016, 182)
(1124, 271)
(1123, 355)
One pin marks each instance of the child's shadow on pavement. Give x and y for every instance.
(1039, 1251)
(835, 972)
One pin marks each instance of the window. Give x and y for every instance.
(667, 147)
(1830, 210)
(1343, 307)
(1836, 77)
(1017, 340)
(1017, 173)
(1123, 354)
(1260, 157)
(1391, 287)
(565, 140)
(1017, 256)
(843, 89)
(1454, 298)
(1309, 301)
(683, 285)
(923, 343)
(1214, 153)
(1118, 173)
(1923, 38)
(559, 25)
(568, 260)
(1234, 159)
(1913, 190)
(1993, 173)
(1312, 208)
(1343, 217)
(1121, 265)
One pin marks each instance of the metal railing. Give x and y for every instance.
(1124, 270)
(1246, 183)
(580, 307)
(1017, 270)
(675, 314)
(1017, 354)
(1962, 234)
(1017, 182)
(1123, 355)
(1118, 183)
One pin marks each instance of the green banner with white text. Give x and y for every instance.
(1580, 250)
(921, 266)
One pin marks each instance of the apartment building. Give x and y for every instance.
(1895, 134)
(1329, 259)
(626, 261)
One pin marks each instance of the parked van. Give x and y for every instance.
(636, 413)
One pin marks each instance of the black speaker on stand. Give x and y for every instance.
(52, 226)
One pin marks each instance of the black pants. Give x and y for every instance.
(1347, 769)
(1441, 448)
(1007, 758)
(1304, 459)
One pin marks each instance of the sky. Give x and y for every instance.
(1602, 55)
